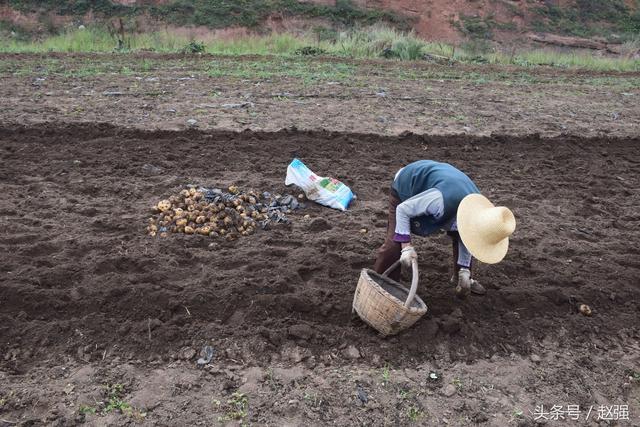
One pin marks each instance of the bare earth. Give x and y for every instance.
(163, 92)
(101, 324)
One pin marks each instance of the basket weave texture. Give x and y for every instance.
(380, 309)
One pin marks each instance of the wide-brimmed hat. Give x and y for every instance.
(485, 228)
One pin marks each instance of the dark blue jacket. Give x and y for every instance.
(423, 175)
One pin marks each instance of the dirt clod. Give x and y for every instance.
(301, 331)
(319, 224)
(449, 390)
(187, 353)
(351, 352)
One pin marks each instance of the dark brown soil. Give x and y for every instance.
(80, 278)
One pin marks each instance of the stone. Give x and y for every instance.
(187, 353)
(449, 390)
(535, 358)
(301, 331)
(351, 352)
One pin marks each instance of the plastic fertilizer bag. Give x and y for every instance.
(326, 191)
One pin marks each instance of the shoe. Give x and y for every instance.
(477, 288)
(464, 283)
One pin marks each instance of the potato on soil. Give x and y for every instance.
(233, 189)
(185, 193)
(585, 309)
(200, 219)
(192, 191)
(189, 230)
(164, 205)
(181, 222)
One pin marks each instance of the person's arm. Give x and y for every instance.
(428, 202)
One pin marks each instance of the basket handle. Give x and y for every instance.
(414, 279)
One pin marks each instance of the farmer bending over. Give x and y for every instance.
(426, 196)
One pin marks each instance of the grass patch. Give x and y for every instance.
(367, 43)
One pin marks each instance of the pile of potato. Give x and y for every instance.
(190, 213)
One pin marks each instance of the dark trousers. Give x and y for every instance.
(389, 252)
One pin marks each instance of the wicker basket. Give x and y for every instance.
(385, 304)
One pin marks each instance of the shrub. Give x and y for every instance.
(194, 47)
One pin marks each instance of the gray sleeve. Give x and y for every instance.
(428, 202)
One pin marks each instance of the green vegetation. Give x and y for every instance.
(476, 27)
(213, 13)
(372, 42)
(194, 47)
(414, 413)
(307, 72)
(590, 18)
(114, 402)
(386, 374)
(286, 53)
(237, 407)
(86, 409)
(300, 69)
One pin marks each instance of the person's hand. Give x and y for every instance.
(407, 255)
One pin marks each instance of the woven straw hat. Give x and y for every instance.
(485, 228)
